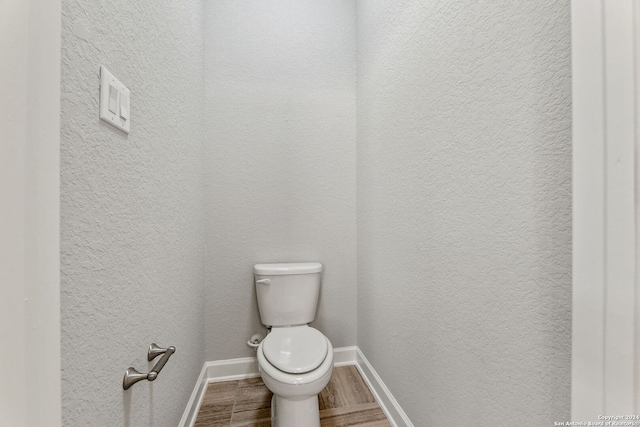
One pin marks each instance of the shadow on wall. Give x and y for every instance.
(126, 405)
(127, 397)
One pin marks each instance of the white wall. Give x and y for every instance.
(463, 171)
(132, 232)
(280, 150)
(29, 213)
(464, 215)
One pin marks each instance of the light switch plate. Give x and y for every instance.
(113, 115)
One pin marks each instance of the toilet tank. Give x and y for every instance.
(287, 293)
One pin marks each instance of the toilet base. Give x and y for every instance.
(287, 412)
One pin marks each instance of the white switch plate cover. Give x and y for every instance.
(107, 79)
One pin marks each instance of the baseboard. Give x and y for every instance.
(217, 371)
(386, 400)
(232, 369)
(247, 367)
(193, 406)
(343, 356)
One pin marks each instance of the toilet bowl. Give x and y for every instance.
(295, 360)
(295, 394)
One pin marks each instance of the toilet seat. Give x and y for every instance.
(295, 350)
(297, 378)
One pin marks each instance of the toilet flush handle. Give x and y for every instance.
(263, 282)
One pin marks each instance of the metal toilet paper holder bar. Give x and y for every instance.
(132, 376)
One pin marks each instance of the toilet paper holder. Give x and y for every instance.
(132, 376)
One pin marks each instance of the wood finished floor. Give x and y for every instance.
(345, 401)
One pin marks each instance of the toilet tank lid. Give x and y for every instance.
(287, 268)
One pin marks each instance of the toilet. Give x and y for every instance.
(295, 360)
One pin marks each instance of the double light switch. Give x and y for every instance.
(114, 101)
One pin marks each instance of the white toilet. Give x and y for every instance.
(295, 359)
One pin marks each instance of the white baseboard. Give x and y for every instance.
(232, 369)
(193, 406)
(247, 367)
(387, 402)
(343, 356)
(217, 371)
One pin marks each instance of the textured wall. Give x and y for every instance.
(132, 210)
(463, 172)
(464, 216)
(280, 149)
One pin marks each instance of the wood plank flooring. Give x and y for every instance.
(345, 401)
